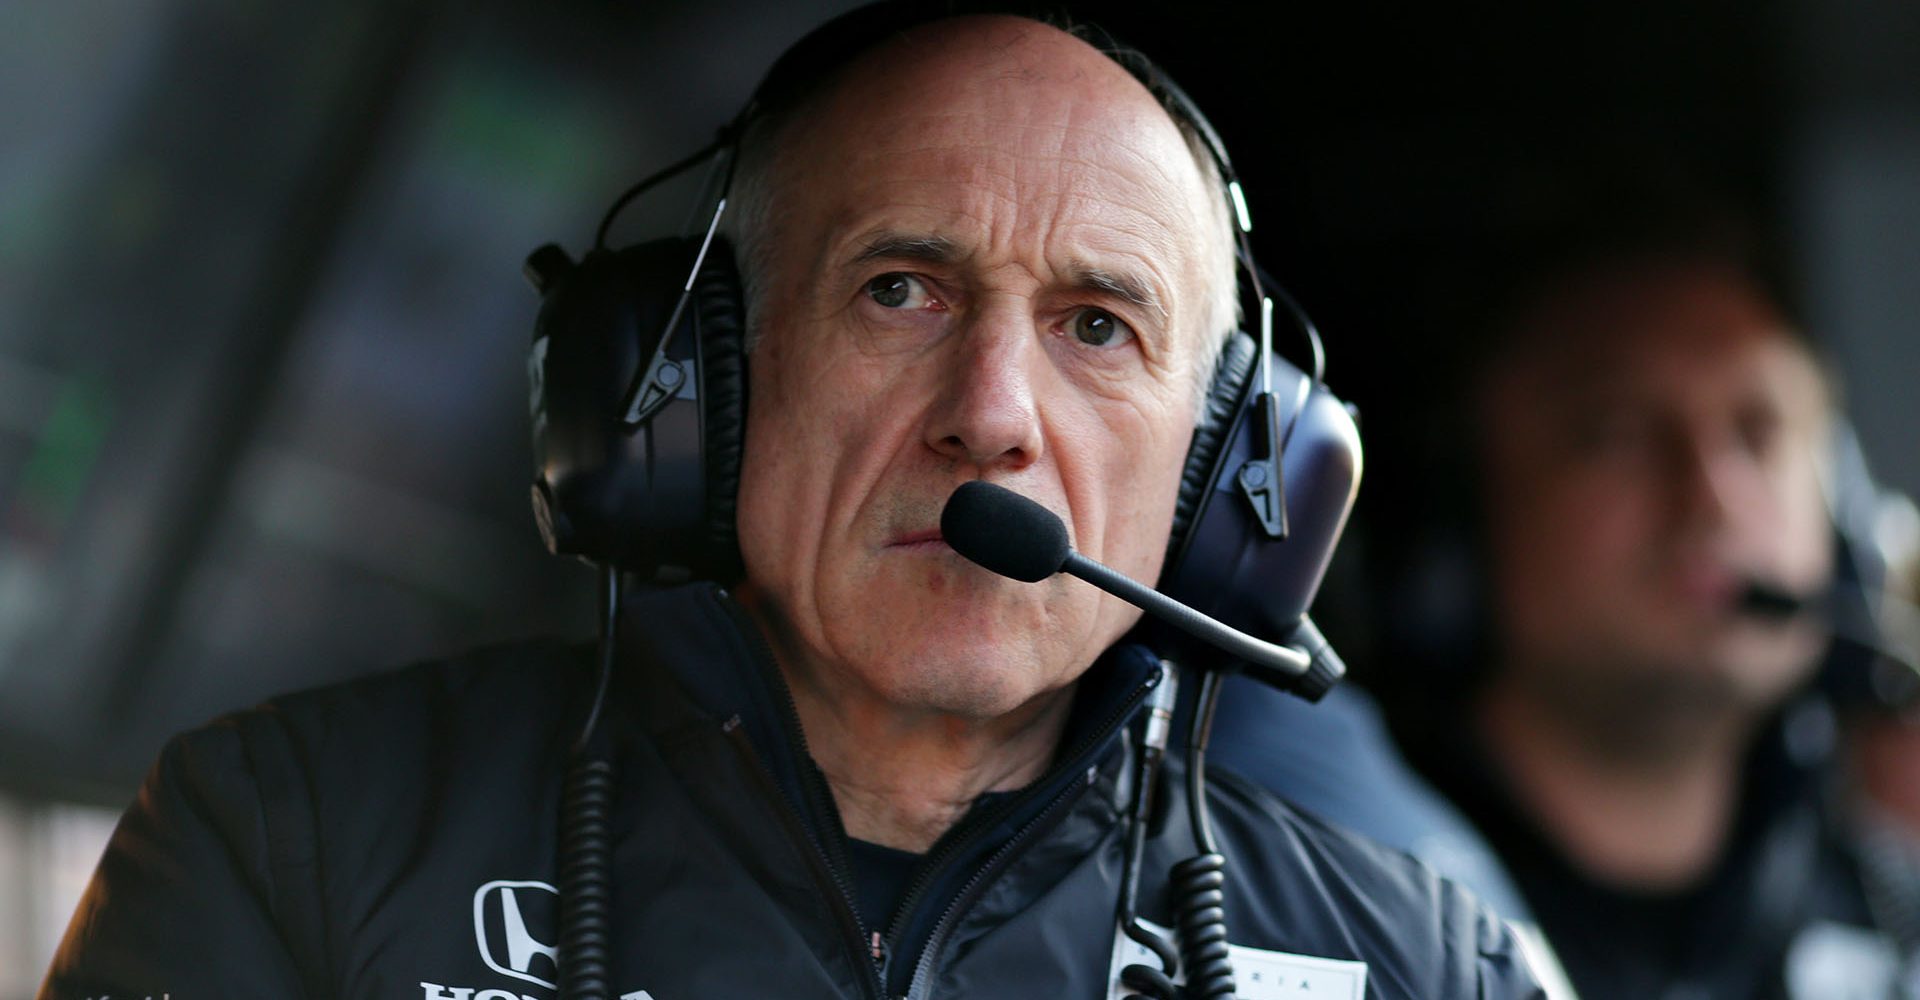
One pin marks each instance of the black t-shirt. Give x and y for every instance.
(880, 877)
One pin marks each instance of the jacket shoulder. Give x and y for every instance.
(1421, 935)
(394, 715)
(527, 675)
(501, 716)
(253, 832)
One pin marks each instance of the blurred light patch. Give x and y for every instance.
(47, 854)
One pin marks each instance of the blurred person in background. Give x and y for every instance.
(1636, 447)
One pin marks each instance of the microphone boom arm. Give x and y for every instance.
(1284, 667)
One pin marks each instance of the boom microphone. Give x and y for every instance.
(1762, 599)
(1893, 635)
(1005, 532)
(1011, 535)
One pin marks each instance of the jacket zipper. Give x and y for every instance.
(819, 799)
(964, 899)
(823, 868)
(931, 868)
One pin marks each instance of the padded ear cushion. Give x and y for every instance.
(1224, 396)
(720, 319)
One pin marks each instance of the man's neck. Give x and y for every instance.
(902, 777)
(1634, 811)
(903, 780)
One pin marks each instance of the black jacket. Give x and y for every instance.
(396, 837)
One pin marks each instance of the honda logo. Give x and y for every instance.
(500, 927)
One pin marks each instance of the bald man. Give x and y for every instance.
(978, 249)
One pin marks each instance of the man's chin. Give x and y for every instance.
(950, 635)
(978, 698)
(964, 669)
(1703, 676)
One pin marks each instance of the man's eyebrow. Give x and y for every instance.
(939, 250)
(1124, 287)
(900, 246)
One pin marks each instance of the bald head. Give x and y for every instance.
(944, 83)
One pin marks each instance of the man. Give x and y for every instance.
(1649, 439)
(979, 249)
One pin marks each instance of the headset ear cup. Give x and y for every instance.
(720, 313)
(1224, 394)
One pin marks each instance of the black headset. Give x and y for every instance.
(639, 393)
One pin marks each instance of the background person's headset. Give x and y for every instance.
(638, 400)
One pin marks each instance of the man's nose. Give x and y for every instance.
(1713, 480)
(985, 411)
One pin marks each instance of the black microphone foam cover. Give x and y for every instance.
(1004, 532)
(1766, 600)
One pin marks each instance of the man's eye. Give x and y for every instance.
(1758, 429)
(1099, 328)
(1612, 434)
(895, 290)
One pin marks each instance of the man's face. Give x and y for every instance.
(1653, 446)
(986, 263)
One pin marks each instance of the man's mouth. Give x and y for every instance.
(1707, 585)
(928, 540)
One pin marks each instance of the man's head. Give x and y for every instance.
(982, 251)
(1650, 443)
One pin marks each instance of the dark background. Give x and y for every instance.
(262, 331)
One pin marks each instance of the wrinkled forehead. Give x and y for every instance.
(1002, 128)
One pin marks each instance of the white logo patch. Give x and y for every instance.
(1257, 974)
(509, 918)
(500, 929)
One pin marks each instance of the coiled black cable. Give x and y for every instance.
(586, 898)
(1144, 980)
(1199, 883)
(586, 832)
